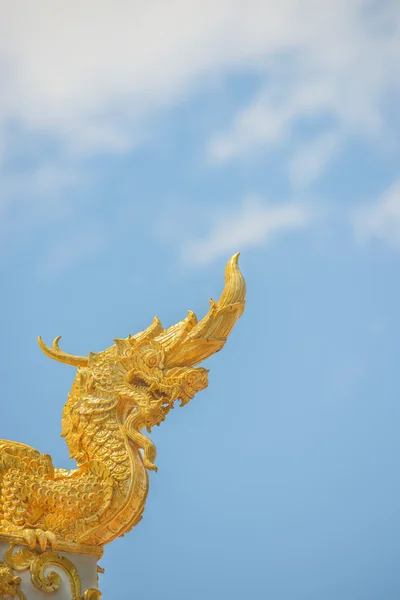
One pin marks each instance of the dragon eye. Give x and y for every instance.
(152, 360)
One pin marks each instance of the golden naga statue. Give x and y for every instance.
(116, 394)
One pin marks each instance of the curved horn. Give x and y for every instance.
(211, 333)
(57, 354)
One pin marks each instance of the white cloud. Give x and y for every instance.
(89, 72)
(34, 199)
(340, 63)
(90, 75)
(382, 219)
(309, 161)
(42, 180)
(255, 223)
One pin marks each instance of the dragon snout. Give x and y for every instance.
(194, 381)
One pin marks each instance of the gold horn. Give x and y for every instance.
(57, 354)
(210, 334)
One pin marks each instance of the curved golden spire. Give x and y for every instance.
(57, 354)
(210, 334)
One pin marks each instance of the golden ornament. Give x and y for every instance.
(117, 393)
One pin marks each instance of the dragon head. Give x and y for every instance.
(149, 371)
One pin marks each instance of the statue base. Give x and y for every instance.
(69, 572)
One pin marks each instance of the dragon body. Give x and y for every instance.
(116, 395)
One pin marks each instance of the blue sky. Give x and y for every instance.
(141, 144)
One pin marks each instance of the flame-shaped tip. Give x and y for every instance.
(235, 285)
(211, 333)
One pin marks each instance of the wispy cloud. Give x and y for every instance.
(309, 161)
(40, 204)
(33, 198)
(382, 219)
(255, 223)
(90, 80)
(89, 83)
(333, 72)
(46, 178)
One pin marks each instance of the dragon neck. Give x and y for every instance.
(93, 430)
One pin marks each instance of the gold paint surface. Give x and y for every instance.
(71, 547)
(9, 583)
(48, 582)
(92, 595)
(116, 394)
